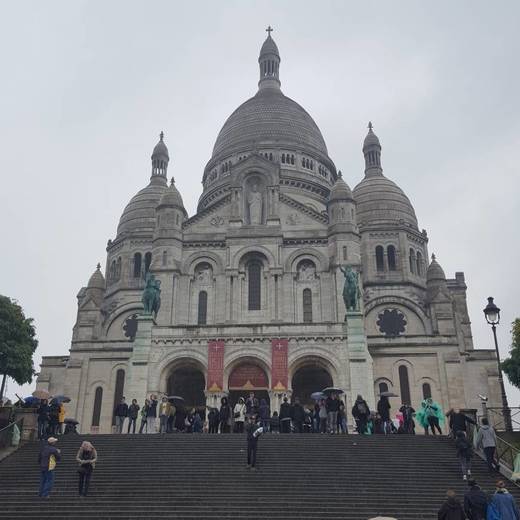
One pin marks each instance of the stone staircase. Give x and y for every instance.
(183, 476)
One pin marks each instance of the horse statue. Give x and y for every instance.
(351, 292)
(151, 295)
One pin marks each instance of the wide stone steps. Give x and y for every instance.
(304, 476)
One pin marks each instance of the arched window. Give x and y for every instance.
(270, 156)
(412, 261)
(383, 387)
(96, 413)
(390, 254)
(177, 220)
(380, 260)
(137, 265)
(283, 158)
(118, 268)
(307, 306)
(254, 273)
(303, 162)
(112, 274)
(119, 389)
(312, 165)
(147, 262)
(426, 391)
(164, 258)
(203, 308)
(292, 159)
(419, 263)
(344, 252)
(405, 385)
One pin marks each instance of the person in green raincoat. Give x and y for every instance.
(430, 416)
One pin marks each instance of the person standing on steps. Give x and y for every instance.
(487, 440)
(332, 407)
(464, 453)
(121, 412)
(61, 418)
(408, 422)
(459, 421)
(274, 423)
(264, 412)
(504, 503)
(253, 431)
(86, 457)
(361, 413)
(43, 419)
(322, 414)
(239, 413)
(451, 509)
(151, 414)
(164, 413)
(475, 502)
(298, 415)
(285, 416)
(430, 416)
(213, 420)
(144, 416)
(383, 409)
(48, 457)
(225, 416)
(133, 412)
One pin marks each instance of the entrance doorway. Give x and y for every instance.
(246, 378)
(308, 379)
(189, 383)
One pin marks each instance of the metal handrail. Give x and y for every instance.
(496, 417)
(6, 435)
(10, 425)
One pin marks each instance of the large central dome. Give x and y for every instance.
(272, 119)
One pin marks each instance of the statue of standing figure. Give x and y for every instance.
(255, 206)
(151, 295)
(351, 292)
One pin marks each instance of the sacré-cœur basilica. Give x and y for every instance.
(251, 286)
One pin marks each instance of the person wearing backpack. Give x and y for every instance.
(487, 440)
(475, 502)
(451, 509)
(464, 453)
(502, 505)
(361, 413)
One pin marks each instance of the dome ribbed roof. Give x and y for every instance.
(269, 119)
(380, 200)
(139, 214)
(171, 197)
(97, 281)
(435, 271)
(371, 139)
(269, 47)
(340, 190)
(160, 149)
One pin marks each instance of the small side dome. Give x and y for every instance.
(340, 190)
(435, 273)
(171, 198)
(160, 150)
(371, 139)
(97, 280)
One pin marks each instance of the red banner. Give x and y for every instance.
(215, 366)
(248, 377)
(280, 377)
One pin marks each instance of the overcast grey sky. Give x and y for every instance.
(87, 87)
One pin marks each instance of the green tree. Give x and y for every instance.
(511, 365)
(17, 343)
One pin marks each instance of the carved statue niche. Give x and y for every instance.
(254, 201)
(306, 271)
(203, 274)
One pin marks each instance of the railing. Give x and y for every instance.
(496, 418)
(11, 435)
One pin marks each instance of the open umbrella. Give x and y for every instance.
(71, 421)
(388, 394)
(41, 394)
(332, 390)
(176, 399)
(61, 399)
(318, 395)
(31, 400)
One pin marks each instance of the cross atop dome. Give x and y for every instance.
(269, 30)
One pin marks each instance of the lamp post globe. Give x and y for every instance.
(492, 314)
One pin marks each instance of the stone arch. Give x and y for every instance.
(170, 363)
(257, 165)
(310, 374)
(250, 358)
(188, 266)
(314, 255)
(259, 250)
(306, 359)
(115, 319)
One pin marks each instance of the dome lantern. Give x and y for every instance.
(269, 61)
(160, 158)
(372, 153)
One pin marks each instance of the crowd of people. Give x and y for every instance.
(51, 418)
(477, 505)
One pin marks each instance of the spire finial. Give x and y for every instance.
(370, 125)
(172, 182)
(98, 266)
(340, 175)
(433, 257)
(269, 30)
(161, 135)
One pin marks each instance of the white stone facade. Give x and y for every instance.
(256, 271)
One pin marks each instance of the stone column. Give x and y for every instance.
(136, 386)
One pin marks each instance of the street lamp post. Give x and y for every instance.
(492, 313)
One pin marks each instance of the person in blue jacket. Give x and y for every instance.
(503, 503)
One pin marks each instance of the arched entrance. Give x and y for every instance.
(309, 378)
(245, 378)
(187, 382)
